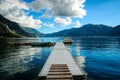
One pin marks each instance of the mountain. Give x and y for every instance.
(12, 29)
(33, 32)
(6, 32)
(13, 26)
(86, 30)
(115, 31)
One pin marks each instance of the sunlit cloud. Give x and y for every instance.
(63, 21)
(67, 8)
(13, 10)
(48, 25)
(27, 14)
(61, 8)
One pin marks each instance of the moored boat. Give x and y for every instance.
(67, 41)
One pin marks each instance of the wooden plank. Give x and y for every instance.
(57, 74)
(59, 68)
(59, 65)
(59, 77)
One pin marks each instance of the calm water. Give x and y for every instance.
(98, 57)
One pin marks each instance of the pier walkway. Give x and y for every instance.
(60, 65)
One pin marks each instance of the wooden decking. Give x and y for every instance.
(60, 66)
(59, 72)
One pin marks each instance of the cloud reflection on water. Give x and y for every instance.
(80, 60)
(19, 62)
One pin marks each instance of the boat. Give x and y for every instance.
(67, 41)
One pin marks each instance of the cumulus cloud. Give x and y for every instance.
(13, 10)
(63, 21)
(67, 8)
(48, 25)
(29, 21)
(60, 9)
(77, 24)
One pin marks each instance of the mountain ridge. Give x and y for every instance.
(9, 28)
(12, 29)
(115, 31)
(6, 32)
(85, 30)
(33, 32)
(13, 26)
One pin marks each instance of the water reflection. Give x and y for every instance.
(19, 62)
(80, 60)
(99, 57)
(77, 47)
(96, 43)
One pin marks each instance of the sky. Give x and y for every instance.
(48, 16)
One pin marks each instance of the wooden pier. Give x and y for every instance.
(60, 65)
(33, 44)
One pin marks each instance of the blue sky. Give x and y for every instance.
(102, 12)
(49, 16)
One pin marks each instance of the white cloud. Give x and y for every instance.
(12, 9)
(77, 24)
(48, 25)
(9, 4)
(29, 21)
(67, 8)
(62, 9)
(62, 21)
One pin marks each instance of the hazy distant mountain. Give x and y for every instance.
(86, 30)
(33, 32)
